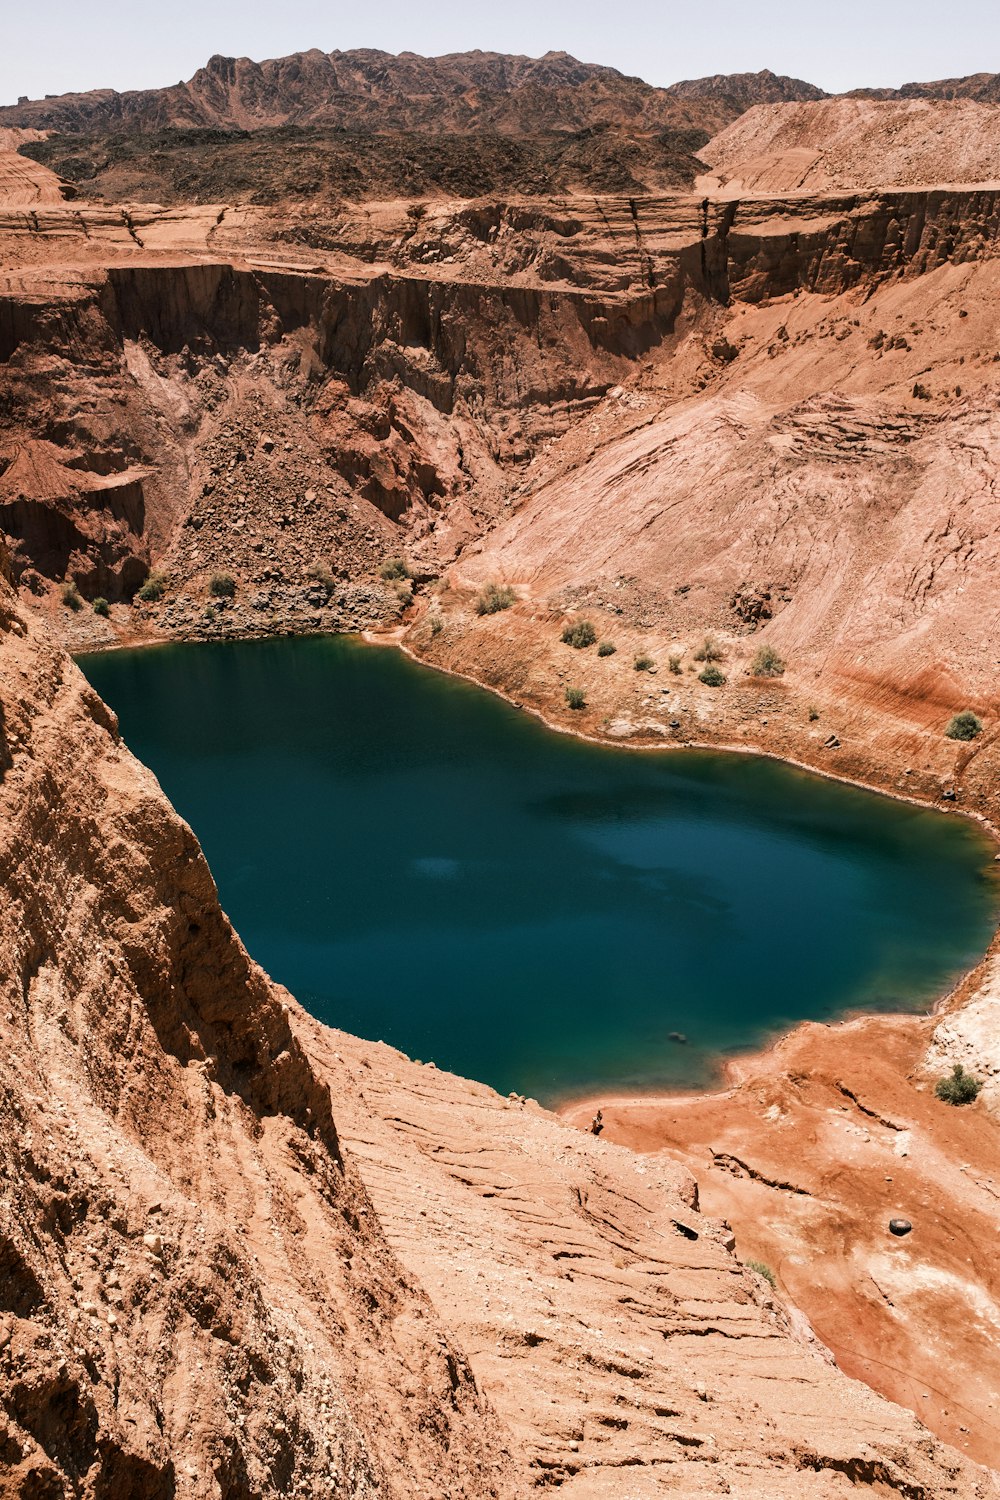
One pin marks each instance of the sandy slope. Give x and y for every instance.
(848, 143)
(23, 182)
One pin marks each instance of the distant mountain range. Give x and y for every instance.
(463, 92)
(377, 91)
(329, 126)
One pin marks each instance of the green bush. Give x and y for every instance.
(222, 586)
(644, 664)
(762, 1270)
(674, 663)
(576, 697)
(495, 597)
(711, 677)
(101, 607)
(958, 1088)
(579, 635)
(393, 567)
(607, 648)
(709, 650)
(71, 596)
(766, 663)
(964, 726)
(153, 589)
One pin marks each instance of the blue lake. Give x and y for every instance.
(420, 862)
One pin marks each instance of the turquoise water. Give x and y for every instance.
(420, 862)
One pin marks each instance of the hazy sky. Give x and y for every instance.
(64, 45)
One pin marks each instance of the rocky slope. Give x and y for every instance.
(199, 1297)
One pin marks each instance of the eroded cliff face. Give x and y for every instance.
(281, 396)
(197, 1297)
(206, 1292)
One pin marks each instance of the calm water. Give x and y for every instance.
(419, 862)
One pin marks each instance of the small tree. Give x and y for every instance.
(101, 607)
(579, 635)
(495, 597)
(958, 1088)
(153, 589)
(711, 677)
(766, 663)
(222, 586)
(964, 726)
(709, 650)
(576, 697)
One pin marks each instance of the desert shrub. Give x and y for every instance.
(766, 663)
(711, 677)
(576, 697)
(674, 663)
(222, 586)
(959, 1087)
(495, 597)
(437, 625)
(762, 1270)
(709, 650)
(153, 589)
(644, 664)
(579, 635)
(964, 726)
(71, 596)
(607, 648)
(101, 607)
(393, 567)
(813, 715)
(320, 574)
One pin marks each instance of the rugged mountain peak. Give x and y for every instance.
(747, 89)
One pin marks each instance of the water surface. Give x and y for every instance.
(420, 862)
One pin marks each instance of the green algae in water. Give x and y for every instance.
(420, 862)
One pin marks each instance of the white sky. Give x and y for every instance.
(65, 45)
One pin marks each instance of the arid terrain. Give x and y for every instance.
(715, 361)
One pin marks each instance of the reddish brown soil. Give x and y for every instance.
(809, 1153)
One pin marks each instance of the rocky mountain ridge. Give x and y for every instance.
(378, 91)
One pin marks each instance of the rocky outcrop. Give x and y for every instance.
(197, 1297)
